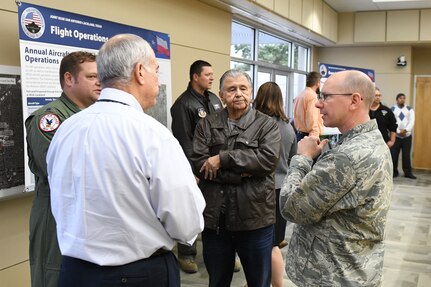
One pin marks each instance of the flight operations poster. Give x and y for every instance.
(47, 35)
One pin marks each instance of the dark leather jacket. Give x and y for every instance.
(244, 186)
(187, 110)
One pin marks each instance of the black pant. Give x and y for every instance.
(159, 271)
(280, 222)
(404, 145)
(300, 135)
(185, 251)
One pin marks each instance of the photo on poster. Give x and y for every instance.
(159, 111)
(11, 132)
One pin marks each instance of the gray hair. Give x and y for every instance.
(118, 56)
(234, 74)
(358, 82)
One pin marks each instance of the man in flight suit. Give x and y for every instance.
(81, 88)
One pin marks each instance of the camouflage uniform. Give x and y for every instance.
(339, 206)
(45, 256)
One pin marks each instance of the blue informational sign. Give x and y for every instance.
(327, 70)
(53, 26)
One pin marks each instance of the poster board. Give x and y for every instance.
(47, 35)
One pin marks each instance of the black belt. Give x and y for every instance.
(158, 252)
(301, 133)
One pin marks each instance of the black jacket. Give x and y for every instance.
(386, 121)
(244, 185)
(186, 112)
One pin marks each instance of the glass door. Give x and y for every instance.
(282, 79)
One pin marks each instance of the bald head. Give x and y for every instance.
(355, 82)
(347, 100)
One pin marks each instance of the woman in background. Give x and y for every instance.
(269, 100)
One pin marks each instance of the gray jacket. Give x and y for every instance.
(244, 186)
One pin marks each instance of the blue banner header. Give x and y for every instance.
(327, 70)
(41, 24)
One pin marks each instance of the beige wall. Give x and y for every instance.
(14, 216)
(421, 61)
(197, 31)
(390, 78)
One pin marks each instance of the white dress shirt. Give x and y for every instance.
(121, 186)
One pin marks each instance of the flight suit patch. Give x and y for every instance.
(49, 122)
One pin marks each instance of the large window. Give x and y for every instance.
(266, 56)
(273, 50)
(243, 43)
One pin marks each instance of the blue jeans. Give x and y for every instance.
(254, 248)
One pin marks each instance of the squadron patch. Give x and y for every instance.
(202, 113)
(49, 123)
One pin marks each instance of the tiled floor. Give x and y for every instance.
(408, 239)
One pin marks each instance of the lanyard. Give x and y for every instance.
(112, 101)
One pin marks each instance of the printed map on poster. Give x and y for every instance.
(11, 133)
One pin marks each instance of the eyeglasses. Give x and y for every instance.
(323, 96)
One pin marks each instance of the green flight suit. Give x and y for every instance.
(45, 256)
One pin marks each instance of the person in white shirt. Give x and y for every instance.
(405, 116)
(123, 192)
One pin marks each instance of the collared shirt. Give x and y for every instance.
(405, 119)
(121, 186)
(339, 205)
(307, 118)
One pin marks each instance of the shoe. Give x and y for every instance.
(237, 266)
(188, 265)
(410, 176)
(395, 174)
(283, 244)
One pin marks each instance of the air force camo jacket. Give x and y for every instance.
(339, 206)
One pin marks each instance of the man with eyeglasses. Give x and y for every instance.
(306, 116)
(340, 203)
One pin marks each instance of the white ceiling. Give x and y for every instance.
(368, 5)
